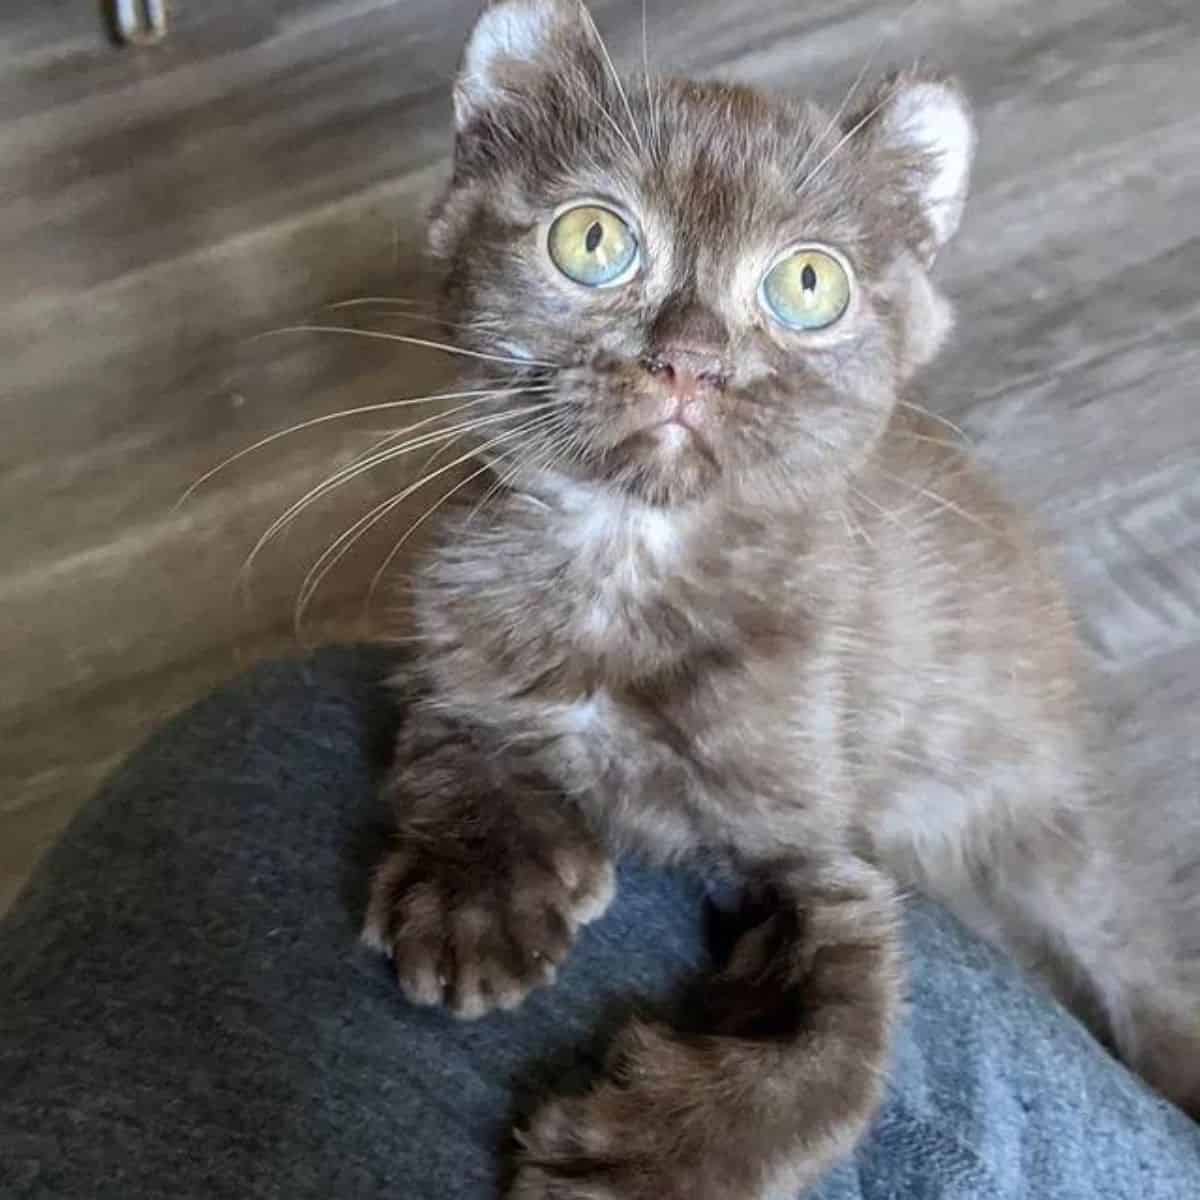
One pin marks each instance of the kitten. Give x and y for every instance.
(740, 598)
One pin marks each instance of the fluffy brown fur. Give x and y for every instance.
(799, 635)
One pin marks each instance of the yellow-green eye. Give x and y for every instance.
(593, 246)
(807, 290)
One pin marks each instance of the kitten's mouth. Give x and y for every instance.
(677, 433)
(682, 428)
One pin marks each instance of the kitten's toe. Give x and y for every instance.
(480, 940)
(590, 881)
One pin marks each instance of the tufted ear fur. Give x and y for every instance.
(925, 124)
(511, 41)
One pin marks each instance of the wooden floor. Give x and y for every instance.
(161, 207)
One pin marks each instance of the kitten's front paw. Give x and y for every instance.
(479, 931)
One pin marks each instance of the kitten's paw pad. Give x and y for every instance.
(478, 935)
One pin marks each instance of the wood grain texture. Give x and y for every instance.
(160, 207)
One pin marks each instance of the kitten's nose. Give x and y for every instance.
(687, 369)
(687, 345)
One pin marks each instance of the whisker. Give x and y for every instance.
(346, 541)
(341, 478)
(651, 104)
(439, 451)
(842, 141)
(853, 90)
(943, 502)
(855, 528)
(886, 513)
(476, 326)
(389, 439)
(908, 436)
(645, 47)
(366, 462)
(616, 128)
(377, 578)
(358, 301)
(841, 108)
(424, 343)
(425, 467)
(616, 78)
(927, 412)
(342, 415)
(501, 482)
(342, 545)
(549, 432)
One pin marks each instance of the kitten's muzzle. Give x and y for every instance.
(687, 371)
(683, 390)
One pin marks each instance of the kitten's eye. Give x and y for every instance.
(593, 246)
(807, 290)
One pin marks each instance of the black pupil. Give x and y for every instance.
(808, 278)
(595, 236)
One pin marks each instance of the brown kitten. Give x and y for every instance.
(740, 598)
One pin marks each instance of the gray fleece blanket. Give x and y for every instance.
(185, 1010)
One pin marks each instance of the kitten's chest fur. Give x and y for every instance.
(712, 677)
(655, 651)
(592, 594)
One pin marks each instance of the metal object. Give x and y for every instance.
(138, 22)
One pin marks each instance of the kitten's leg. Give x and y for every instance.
(1127, 984)
(1130, 935)
(491, 877)
(1161, 1041)
(1108, 935)
(780, 1083)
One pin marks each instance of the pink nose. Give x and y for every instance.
(687, 369)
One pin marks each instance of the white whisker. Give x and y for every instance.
(358, 301)
(858, 80)
(377, 578)
(342, 415)
(651, 104)
(886, 513)
(943, 502)
(909, 436)
(550, 433)
(841, 109)
(444, 448)
(845, 138)
(616, 78)
(927, 412)
(478, 326)
(616, 128)
(343, 544)
(343, 477)
(424, 343)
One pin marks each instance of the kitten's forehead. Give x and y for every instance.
(725, 189)
(731, 160)
(718, 173)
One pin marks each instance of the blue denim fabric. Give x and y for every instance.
(185, 1010)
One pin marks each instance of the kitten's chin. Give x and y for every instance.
(667, 466)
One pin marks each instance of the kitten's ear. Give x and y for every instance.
(512, 40)
(925, 123)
